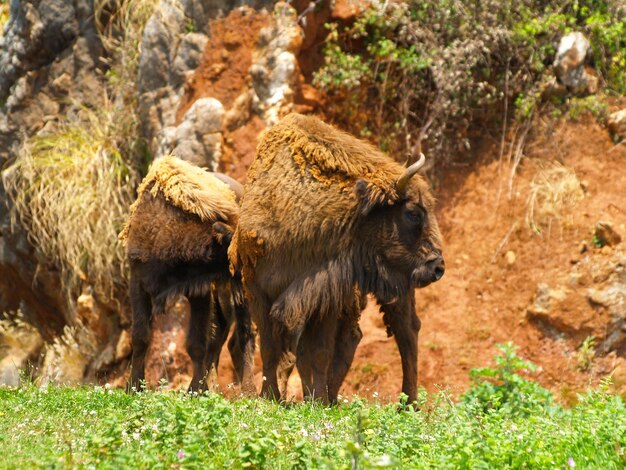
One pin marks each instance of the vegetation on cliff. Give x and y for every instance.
(435, 72)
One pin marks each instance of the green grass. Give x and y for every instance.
(505, 421)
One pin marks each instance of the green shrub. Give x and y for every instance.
(502, 387)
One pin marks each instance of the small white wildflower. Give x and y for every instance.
(92, 412)
(345, 400)
(264, 379)
(107, 386)
(136, 436)
(375, 394)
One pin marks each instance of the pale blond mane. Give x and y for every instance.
(189, 188)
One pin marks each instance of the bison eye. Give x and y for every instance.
(414, 217)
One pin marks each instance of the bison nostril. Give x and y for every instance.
(439, 270)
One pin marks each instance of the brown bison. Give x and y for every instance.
(177, 238)
(325, 219)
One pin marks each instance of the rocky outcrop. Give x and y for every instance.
(50, 60)
(590, 301)
(196, 87)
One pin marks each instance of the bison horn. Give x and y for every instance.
(403, 181)
(234, 185)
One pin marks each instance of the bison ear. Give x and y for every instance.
(370, 196)
(222, 233)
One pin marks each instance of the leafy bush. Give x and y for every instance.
(433, 71)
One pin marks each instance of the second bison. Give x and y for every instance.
(326, 217)
(177, 238)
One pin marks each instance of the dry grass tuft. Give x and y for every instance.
(120, 24)
(19, 342)
(72, 190)
(554, 192)
(67, 357)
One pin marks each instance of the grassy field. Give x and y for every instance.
(504, 421)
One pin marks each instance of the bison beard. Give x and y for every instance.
(177, 237)
(325, 219)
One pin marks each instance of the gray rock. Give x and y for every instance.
(569, 64)
(198, 138)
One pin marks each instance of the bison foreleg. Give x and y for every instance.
(142, 312)
(320, 348)
(197, 336)
(348, 337)
(405, 325)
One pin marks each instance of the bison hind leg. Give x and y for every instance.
(141, 305)
(197, 337)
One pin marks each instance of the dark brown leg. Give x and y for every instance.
(323, 335)
(242, 342)
(404, 324)
(259, 306)
(304, 364)
(348, 337)
(197, 337)
(140, 332)
(218, 332)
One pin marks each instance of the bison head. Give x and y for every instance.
(401, 235)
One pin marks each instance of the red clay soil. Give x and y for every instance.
(223, 69)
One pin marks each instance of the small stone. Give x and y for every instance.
(123, 347)
(606, 234)
(617, 125)
(510, 257)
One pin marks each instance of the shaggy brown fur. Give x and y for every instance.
(177, 238)
(320, 216)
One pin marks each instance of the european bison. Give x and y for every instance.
(177, 237)
(326, 218)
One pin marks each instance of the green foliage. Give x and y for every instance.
(593, 105)
(502, 387)
(4, 15)
(597, 242)
(586, 353)
(436, 70)
(504, 421)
